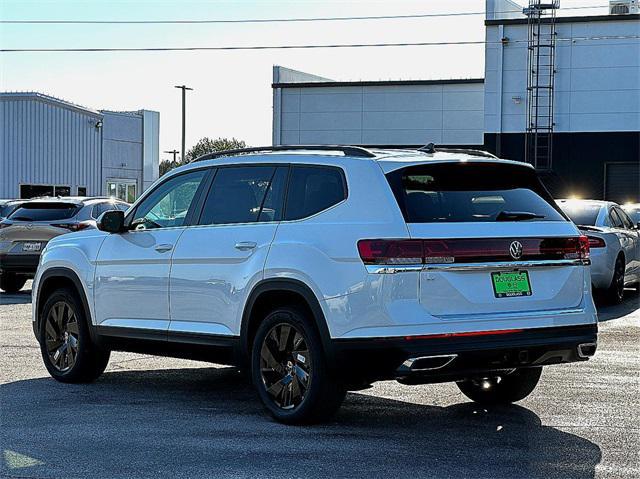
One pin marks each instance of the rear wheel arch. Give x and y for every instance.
(57, 278)
(272, 293)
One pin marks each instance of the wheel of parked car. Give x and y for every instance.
(11, 283)
(289, 369)
(615, 293)
(501, 389)
(67, 350)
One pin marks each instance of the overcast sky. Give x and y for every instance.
(232, 89)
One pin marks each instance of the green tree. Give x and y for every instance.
(202, 147)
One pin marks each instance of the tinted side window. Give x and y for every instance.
(616, 222)
(102, 207)
(313, 189)
(237, 195)
(626, 221)
(167, 206)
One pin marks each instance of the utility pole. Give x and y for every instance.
(184, 89)
(173, 152)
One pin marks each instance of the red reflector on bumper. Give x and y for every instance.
(460, 335)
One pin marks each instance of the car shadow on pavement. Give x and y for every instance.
(21, 297)
(630, 304)
(207, 422)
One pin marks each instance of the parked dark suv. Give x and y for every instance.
(24, 234)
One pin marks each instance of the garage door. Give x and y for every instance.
(622, 182)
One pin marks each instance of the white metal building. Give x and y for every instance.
(50, 146)
(596, 139)
(314, 110)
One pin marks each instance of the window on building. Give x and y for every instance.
(124, 190)
(313, 189)
(34, 191)
(82, 191)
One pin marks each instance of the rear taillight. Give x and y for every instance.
(81, 225)
(4, 224)
(391, 251)
(595, 242)
(583, 249)
(472, 250)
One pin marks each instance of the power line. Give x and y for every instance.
(278, 20)
(301, 47)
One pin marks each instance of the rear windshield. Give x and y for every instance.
(581, 213)
(468, 192)
(6, 210)
(45, 212)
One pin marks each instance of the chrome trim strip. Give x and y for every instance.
(501, 265)
(506, 265)
(393, 269)
(409, 362)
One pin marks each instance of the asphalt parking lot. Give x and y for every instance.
(158, 417)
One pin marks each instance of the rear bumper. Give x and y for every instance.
(24, 264)
(411, 360)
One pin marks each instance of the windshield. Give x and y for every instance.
(464, 192)
(581, 213)
(633, 212)
(44, 212)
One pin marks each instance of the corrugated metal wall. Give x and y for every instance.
(43, 143)
(393, 114)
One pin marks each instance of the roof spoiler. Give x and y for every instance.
(431, 148)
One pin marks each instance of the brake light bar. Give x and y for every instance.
(471, 250)
(463, 335)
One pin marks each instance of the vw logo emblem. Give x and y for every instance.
(515, 249)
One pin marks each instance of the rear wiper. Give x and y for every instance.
(21, 218)
(517, 216)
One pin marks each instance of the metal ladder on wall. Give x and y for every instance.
(541, 43)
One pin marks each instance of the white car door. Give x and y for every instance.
(217, 262)
(632, 233)
(628, 241)
(132, 270)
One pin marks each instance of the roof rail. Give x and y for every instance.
(431, 148)
(347, 150)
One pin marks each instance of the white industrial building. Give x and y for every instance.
(595, 92)
(51, 147)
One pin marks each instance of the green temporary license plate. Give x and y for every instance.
(510, 284)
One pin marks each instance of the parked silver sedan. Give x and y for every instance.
(24, 234)
(614, 241)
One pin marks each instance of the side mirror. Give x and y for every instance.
(111, 221)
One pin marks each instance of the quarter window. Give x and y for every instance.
(313, 189)
(245, 194)
(167, 206)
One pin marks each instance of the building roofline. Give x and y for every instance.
(376, 83)
(582, 19)
(33, 95)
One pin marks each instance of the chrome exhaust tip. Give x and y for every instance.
(586, 350)
(429, 363)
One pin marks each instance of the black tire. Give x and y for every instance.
(615, 293)
(293, 381)
(11, 283)
(502, 389)
(65, 342)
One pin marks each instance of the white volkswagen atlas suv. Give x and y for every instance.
(321, 269)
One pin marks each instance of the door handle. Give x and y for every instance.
(246, 245)
(163, 248)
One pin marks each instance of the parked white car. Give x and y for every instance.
(614, 241)
(323, 269)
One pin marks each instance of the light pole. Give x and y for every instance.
(184, 89)
(173, 152)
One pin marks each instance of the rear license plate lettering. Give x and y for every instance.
(31, 247)
(511, 284)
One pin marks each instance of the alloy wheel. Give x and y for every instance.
(285, 365)
(62, 336)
